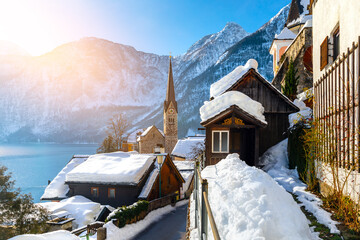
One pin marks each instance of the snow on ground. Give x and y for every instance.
(118, 167)
(276, 164)
(185, 147)
(57, 189)
(304, 113)
(248, 204)
(227, 81)
(82, 209)
(56, 235)
(224, 101)
(131, 230)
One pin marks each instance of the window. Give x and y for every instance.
(336, 41)
(111, 192)
(220, 141)
(324, 54)
(95, 192)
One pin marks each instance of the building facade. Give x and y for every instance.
(170, 114)
(336, 67)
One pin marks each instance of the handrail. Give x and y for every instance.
(202, 206)
(211, 218)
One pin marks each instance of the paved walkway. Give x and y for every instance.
(171, 226)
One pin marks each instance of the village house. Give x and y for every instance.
(132, 140)
(188, 148)
(121, 178)
(294, 43)
(336, 62)
(151, 138)
(245, 115)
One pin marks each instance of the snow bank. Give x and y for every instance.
(224, 101)
(57, 189)
(131, 230)
(56, 235)
(118, 167)
(277, 167)
(304, 113)
(248, 204)
(285, 34)
(187, 147)
(226, 82)
(82, 209)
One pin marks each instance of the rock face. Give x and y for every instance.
(69, 94)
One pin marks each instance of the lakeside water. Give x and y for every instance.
(33, 164)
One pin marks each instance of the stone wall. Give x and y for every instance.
(152, 139)
(296, 52)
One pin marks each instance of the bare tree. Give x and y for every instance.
(115, 134)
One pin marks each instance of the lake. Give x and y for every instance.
(33, 164)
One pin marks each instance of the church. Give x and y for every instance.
(152, 139)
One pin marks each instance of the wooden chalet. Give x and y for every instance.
(118, 178)
(235, 131)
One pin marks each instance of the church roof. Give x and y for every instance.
(170, 91)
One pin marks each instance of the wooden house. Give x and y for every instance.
(170, 177)
(235, 130)
(118, 178)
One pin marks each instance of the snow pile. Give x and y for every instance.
(305, 94)
(149, 183)
(304, 113)
(224, 101)
(57, 235)
(129, 231)
(277, 160)
(188, 148)
(82, 209)
(285, 34)
(226, 82)
(57, 189)
(118, 167)
(248, 204)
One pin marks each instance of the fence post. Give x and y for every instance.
(196, 194)
(204, 216)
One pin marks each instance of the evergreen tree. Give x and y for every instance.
(291, 82)
(18, 213)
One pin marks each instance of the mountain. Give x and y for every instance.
(69, 94)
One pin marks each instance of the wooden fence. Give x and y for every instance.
(202, 207)
(336, 109)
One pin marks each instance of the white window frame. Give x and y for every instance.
(212, 142)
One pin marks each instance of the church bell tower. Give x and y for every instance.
(170, 114)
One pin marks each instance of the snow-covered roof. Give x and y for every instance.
(186, 148)
(285, 34)
(300, 16)
(149, 184)
(133, 136)
(148, 130)
(82, 209)
(125, 168)
(184, 165)
(221, 103)
(226, 82)
(57, 189)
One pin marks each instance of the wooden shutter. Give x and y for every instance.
(324, 54)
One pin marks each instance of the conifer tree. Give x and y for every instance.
(291, 82)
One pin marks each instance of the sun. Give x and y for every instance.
(28, 24)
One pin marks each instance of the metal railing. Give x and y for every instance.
(202, 207)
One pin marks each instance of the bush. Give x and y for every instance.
(126, 214)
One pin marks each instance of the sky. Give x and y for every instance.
(155, 26)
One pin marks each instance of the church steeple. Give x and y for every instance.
(170, 91)
(170, 114)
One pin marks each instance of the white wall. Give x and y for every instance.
(326, 15)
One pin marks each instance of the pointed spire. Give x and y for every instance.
(170, 91)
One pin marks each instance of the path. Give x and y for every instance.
(171, 226)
